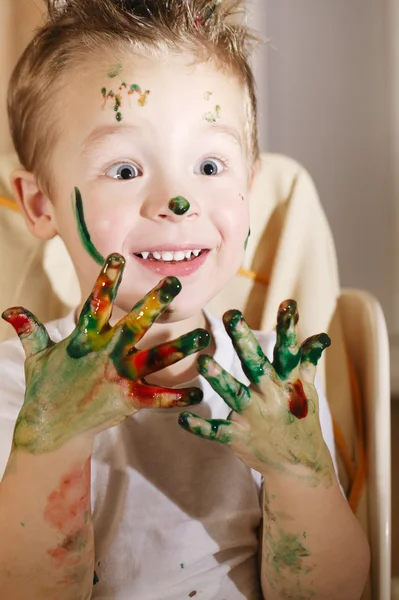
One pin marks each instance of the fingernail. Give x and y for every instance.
(195, 396)
(286, 311)
(231, 318)
(201, 338)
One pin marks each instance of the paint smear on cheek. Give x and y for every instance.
(83, 230)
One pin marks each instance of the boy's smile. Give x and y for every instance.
(161, 184)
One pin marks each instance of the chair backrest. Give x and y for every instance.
(366, 339)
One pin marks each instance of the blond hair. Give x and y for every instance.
(206, 30)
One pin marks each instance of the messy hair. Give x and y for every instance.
(205, 30)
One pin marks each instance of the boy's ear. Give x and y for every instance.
(34, 204)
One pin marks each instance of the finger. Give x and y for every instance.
(254, 363)
(219, 430)
(235, 394)
(97, 309)
(30, 330)
(150, 396)
(144, 362)
(134, 325)
(286, 355)
(311, 351)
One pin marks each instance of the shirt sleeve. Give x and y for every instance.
(12, 378)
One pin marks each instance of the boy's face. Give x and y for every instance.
(137, 134)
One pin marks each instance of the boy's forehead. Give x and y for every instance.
(175, 81)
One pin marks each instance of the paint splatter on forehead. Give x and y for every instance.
(117, 98)
(114, 71)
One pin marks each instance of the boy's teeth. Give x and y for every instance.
(169, 256)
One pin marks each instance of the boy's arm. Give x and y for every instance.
(75, 389)
(47, 546)
(312, 545)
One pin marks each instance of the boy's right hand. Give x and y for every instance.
(94, 379)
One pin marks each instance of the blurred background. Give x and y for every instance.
(328, 87)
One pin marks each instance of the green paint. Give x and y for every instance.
(179, 205)
(95, 578)
(117, 97)
(114, 71)
(208, 95)
(305, 535)
(83, 230)
(211, 117)
(209, 429)
(234, 393)
(248, 236)
(286, 553)
(287, 355)
(22, 524)
(182, 565)
(253, 360)
(313, 347)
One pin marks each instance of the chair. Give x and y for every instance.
(290, 254)
(367, 343)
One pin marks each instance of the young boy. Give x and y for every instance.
(135, 122)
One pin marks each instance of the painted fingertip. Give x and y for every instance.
(184, 420)
(195, 396)
(19, 319)
(114, 260)
(287, 311)
(232, 318)
(203, 363)
(201, 339)
(170, 287)
(325, 340)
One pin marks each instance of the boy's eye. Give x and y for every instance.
(124, 171)
(210, 166)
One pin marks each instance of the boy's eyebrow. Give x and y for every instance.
(103, 131)
(226, 129)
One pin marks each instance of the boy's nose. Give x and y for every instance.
(173, 209)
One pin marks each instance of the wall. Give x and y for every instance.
(326, 101)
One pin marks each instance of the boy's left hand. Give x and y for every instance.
(274, 424)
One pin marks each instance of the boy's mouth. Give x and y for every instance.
(171, 256)
(180, 262)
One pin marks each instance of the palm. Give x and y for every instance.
(274, 423)
(95, 378)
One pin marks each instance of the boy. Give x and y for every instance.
(146, 112)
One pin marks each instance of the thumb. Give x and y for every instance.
(31, 332)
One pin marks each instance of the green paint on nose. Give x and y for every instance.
(179, 205)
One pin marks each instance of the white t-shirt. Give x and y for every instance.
(173, 514)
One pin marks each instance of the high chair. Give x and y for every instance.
(290, 254)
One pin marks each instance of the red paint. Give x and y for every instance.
(178, 269)
(67, 511)
(298, 402)
(21, 323)
(66, 505)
